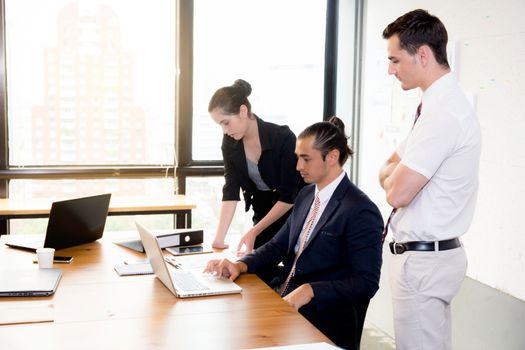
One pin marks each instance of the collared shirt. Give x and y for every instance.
(444, 146)
(324, 196)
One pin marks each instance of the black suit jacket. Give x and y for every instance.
(341, 260)
(276, 164)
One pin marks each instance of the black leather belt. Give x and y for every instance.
(400, 248)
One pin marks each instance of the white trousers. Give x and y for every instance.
(423, 285)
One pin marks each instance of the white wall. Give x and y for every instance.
(489, 38)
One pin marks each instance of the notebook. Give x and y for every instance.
(183, 283)
(71, 222)
(29, 282)
(134, 269)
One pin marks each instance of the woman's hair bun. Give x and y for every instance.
(244, 86)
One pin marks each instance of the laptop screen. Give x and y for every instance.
(71, 222)
(77, 221)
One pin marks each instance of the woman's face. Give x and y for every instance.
(233, 125)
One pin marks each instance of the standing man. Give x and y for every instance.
(432, 181)
(330, 246)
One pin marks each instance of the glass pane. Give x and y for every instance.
(90, 82)
(255, 40)
(58, 189)
(207, 193)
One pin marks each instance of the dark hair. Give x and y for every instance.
(329, 135)
(230, 98)
(417, 28)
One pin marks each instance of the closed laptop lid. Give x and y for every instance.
(29, 282)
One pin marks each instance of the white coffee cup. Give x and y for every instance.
(45, 257)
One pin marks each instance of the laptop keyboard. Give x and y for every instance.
(187, 282)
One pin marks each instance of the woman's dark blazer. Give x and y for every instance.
(277, 164)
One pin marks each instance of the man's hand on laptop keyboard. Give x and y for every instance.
(225, 268)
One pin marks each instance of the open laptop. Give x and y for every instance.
(71, 222)
(183, 283)
(29, 282)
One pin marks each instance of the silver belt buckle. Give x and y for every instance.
(395, 246)
(395, 250)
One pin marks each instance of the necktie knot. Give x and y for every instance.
(317, 202)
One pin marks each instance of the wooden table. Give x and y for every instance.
(94, 308)
(180, 205)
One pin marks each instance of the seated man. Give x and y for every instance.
(330, 246)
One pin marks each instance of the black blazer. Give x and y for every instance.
(277, 164)
(341, 260)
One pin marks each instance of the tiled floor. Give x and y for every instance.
(375, 339)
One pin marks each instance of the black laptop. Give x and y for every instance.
(71, 222)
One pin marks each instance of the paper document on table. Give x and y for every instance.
(18, 313)
(199, 260)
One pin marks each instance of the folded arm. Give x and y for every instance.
(401, 184)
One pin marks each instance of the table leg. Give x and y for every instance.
(182, 219)
(4, 226)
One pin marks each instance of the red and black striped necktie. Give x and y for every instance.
(385, 231)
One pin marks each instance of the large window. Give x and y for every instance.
(90, 82)
(277, 46)
(285, 64)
